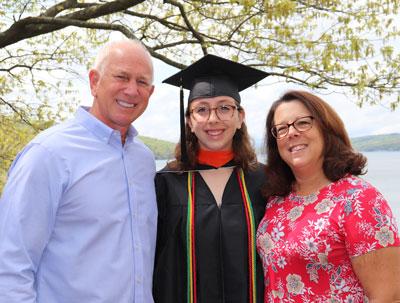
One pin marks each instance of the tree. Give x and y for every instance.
(316, 43)
(321, 44)
(14, 134)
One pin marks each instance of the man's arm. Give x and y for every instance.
(27, 213)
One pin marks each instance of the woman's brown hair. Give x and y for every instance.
(244, 154)
(339, 156)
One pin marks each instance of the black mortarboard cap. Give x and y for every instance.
(213, 76)
(209, 77)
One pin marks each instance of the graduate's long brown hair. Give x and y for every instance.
(244, 154)
(339, 156)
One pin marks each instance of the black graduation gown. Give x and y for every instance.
(221, 240)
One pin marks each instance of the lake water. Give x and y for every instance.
(383, 173)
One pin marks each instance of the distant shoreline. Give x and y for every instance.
(387, 142)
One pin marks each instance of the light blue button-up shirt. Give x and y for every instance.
(78, 218)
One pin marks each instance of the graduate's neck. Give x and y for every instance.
(214, 158)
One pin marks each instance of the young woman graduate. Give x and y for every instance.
(209, 199)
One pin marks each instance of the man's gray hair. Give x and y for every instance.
(104, 52)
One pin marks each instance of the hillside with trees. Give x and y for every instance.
(165, 150)
(162, 149)
(389, 142)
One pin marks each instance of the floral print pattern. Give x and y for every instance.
(305, 243)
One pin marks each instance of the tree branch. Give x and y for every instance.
(64, 22)
(165, 59)
(162, 21)
(59, 7)
(28, 27)
(15, 110)
(195, 33)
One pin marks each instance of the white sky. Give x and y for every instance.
(161, 118)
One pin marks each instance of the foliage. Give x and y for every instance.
(390, 142)
(325, 43)
(11, 141)
(15, 133)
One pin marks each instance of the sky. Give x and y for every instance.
(161, 118)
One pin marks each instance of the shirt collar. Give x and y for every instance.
(101, 130)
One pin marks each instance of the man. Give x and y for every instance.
(78, 213)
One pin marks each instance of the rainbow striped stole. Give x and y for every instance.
(190, 237)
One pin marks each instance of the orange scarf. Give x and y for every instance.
(214, 158)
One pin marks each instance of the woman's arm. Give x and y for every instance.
(379, 274)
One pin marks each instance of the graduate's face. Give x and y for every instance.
(215, 132)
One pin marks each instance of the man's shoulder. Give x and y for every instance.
(44, 147)
(57, 134)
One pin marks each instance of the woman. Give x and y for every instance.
(209, 198)
(327, 235)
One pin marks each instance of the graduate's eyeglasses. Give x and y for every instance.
(224, 112)
(301, 125)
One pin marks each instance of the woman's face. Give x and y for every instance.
(215, 133)
(302, 151)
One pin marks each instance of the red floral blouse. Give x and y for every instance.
(306, 242)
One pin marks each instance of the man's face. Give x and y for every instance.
(122, 86)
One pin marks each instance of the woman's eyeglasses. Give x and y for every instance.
(301, 124)
(224, 112)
